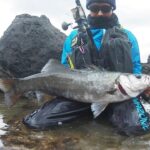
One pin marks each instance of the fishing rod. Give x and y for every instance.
(79, 17)
(84, 32)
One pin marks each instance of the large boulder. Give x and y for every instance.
(28, 43)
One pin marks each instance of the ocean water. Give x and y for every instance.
(82, 134)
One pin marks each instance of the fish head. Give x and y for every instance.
(134, 85)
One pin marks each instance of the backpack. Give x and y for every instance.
(115, 52)
(84, 54)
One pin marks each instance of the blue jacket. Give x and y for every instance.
(97, 36)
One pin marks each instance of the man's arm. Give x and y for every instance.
(135, 53)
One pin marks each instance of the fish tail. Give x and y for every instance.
(10, 96)
(98, 108)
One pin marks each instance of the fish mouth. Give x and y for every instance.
(119, 87)
(122, 90)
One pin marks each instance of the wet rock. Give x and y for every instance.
(28, 43)
(4, 73)
(21, 137)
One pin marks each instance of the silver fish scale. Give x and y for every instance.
(81, 85)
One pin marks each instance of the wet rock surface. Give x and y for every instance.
(19, 137)
(28, 43)
(80, 135)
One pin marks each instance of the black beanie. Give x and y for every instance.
(111, 2)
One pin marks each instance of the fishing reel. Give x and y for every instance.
(79, 17)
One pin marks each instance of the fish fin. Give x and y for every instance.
(98, 108)
(7, 86)
(112, 92)
(94, 68)
(54, 66)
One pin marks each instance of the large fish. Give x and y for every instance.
(89, 85)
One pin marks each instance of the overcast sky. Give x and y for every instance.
(133, 15)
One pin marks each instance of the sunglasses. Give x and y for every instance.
(103, 9)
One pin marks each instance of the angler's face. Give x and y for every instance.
(100, 9)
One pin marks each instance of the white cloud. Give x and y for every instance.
(132, 14)
(6, 15)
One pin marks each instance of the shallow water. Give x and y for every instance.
(80, 135)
